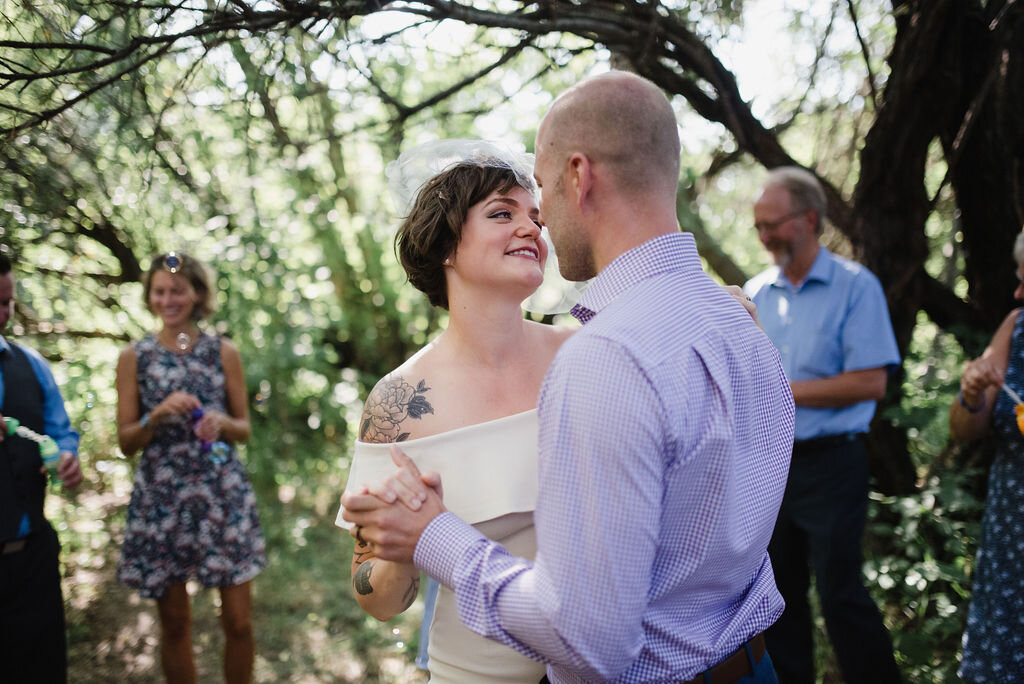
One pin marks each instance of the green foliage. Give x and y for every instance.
(920, 548)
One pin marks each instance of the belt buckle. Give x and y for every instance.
(13, 546)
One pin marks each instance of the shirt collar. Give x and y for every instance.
(4, 344)
(822, 270)
(661, 254)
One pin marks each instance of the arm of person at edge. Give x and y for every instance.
(980, 383)
(56, 423)
(500, 596)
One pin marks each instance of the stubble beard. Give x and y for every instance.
(578, 270)
(575, 260)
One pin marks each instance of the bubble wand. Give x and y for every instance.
(48, 449)
(1013, 395)
(1018, 406)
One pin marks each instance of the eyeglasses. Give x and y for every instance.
(772, 225)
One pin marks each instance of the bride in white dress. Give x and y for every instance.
(465, 404)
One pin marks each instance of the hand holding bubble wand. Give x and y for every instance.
(48, 449)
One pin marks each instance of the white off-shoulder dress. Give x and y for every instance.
(489, 475)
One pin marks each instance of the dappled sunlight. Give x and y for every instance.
(286, 493)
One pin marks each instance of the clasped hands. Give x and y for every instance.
(391, 516)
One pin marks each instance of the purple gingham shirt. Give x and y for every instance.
(666, 425)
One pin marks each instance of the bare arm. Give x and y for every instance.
(386, 588)
(980, 383)
(840, 390)
(130, 435)
(382, 588)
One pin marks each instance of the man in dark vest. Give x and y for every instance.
(33, 647)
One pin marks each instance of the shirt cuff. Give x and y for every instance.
(68, 445)
(443, 543)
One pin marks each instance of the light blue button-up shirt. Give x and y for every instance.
(835, 321)
(55, 418)
(665, 430)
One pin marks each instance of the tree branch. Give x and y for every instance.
(864, 51)
(949, 312)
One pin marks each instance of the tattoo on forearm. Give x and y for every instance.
(390, 403)
(410, 593)
(358, 556)
(361, 580)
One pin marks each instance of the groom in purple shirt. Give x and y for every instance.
(666, 425)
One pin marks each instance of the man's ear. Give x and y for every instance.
(817, 225)
(580, 177)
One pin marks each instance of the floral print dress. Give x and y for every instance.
(994, 641)
(189, 515)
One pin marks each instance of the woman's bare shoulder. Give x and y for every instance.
(401, 405)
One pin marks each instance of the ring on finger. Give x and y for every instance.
(359, 535)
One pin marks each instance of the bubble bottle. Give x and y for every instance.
(218, 451)
(48, 449)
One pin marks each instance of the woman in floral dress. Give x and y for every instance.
(993, 645)
(192, 515)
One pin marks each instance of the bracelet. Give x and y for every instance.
(144, 420)
(970, 409)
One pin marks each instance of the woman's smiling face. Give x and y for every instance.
(501, 240)
(172, 298)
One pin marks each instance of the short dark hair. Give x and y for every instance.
(5, 263)
(433, 228)
(194, 271)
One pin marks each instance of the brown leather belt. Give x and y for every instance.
(735, 667)
(12, 546)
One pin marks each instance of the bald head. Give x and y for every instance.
(623, 121)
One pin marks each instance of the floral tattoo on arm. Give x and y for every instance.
(390, 403)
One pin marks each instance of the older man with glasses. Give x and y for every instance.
(829, 320)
